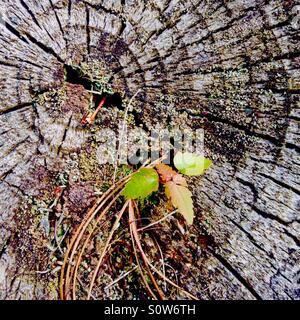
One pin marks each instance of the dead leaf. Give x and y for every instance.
(181, 199)
(180, 180)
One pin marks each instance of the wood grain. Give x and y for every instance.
(231, 67)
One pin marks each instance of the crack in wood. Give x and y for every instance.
(279, 142)
(16, 108)
(88, 34)
(25, 6)
(294, 238)
(5, 245)
(64, 135)
(34, 41)
(270, 216)
(171, 70)
(251, 238)
(281, 183)
(58, 21)
(236, 274)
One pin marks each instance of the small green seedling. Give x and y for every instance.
(142, 184)
(138, 186)
(191, 164)
(146, 181)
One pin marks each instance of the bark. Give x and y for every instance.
(229, 67)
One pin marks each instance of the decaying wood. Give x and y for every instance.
(230, 67)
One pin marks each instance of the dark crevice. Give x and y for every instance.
(30, 13)
(270, 216)
(50, 36)
(64, 136)
(57, 18)
(35, 128)
(236, 274)
(33, 40)
(16, 108)
(36, 65)
(114, 100)
(14, 147)
(16, 32)
(8, 64)
(73, 76)
(7, 173)
(166, 6)
(281, 183)
(270, 162)
(276, 141)
(69, 7)
(18, 189)
(228, 25)
(293, 147)
(5, 131)
(44, 47)
(138, 120)
(122, 28)
(284, 56)
(251, 186)
(5, 245)
(99, 7)
(88, 34)
(211, 199)
(251, 238)
(294, 238)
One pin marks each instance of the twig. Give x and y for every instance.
(145, 258)
(64, 282)
(132, 222)
(121, 277)
(138, 263)
(57, 224)
(162, 261)
(43, 272)
(87, 241)
(175, 274)
(91, 117)
(158, 221)
(95, 92)
(83, 287)
(114, 228)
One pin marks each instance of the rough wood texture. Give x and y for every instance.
(230, 67)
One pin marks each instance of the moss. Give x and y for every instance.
(52, 289)
(68, 98)
(30, 241)
(95, 72)
(88, 163)
(123, 171)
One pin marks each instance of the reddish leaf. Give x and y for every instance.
(167, 174)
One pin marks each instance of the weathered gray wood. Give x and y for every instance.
(230, 67)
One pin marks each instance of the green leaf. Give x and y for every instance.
(181, 199)
(191, 164)
(142, 183)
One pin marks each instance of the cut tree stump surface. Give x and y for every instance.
(230, 67)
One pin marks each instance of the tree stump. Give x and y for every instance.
(229, 67)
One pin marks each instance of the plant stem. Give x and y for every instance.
(114, 228)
